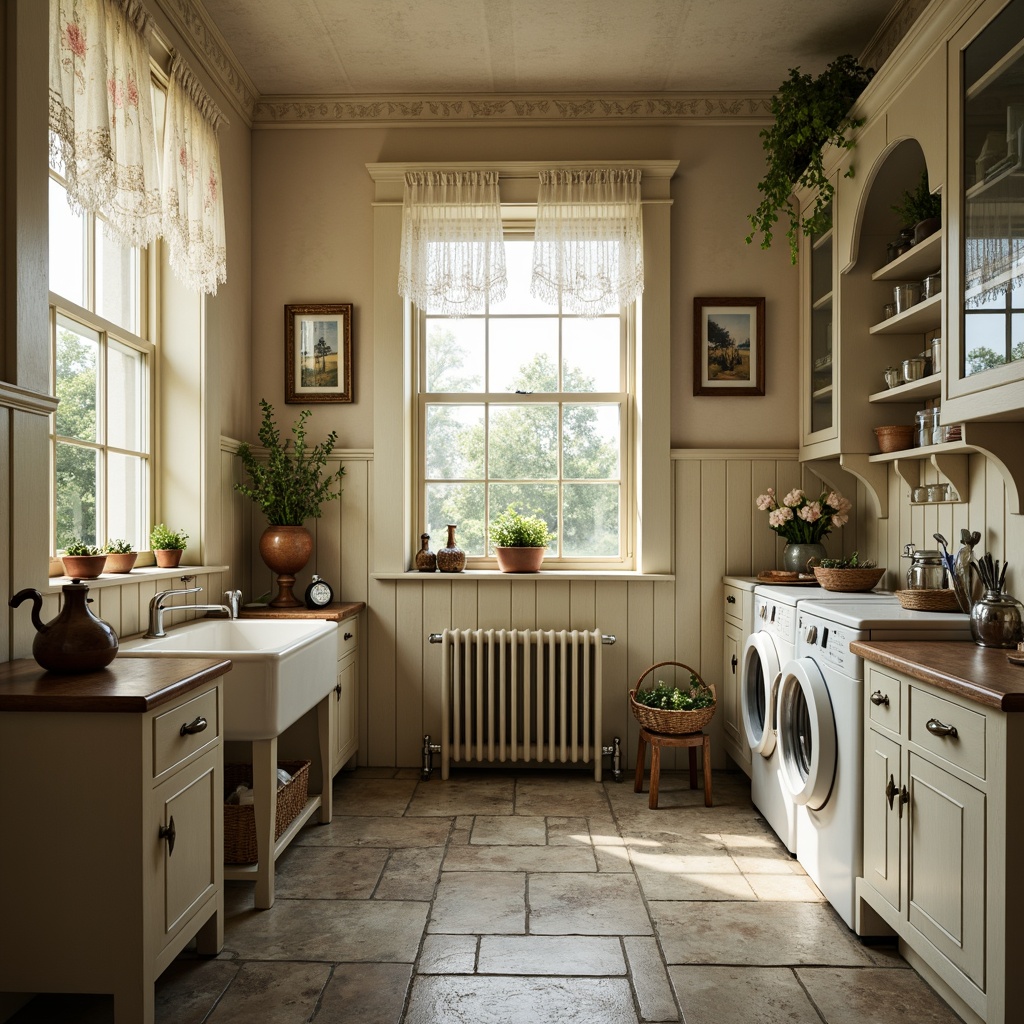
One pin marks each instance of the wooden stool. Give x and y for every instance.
(657, 740)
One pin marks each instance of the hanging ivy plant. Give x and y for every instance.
(809, 113)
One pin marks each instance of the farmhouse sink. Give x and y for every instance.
(279, 668)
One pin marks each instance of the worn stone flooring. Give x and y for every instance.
(532, 897)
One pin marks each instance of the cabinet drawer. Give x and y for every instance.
(965, 749)
(170, 745)
(883, 700)
(733, 600)
(348, 636)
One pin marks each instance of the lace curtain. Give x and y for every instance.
(193, 203)
(101, 113)
(588, 244)
(452, 256)
(993, 251)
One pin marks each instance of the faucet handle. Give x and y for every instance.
(233, 599)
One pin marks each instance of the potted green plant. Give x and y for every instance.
(83, 561)
(920, 209)
(290, 484)
(167, 545)
(519, 541)
(120, 556)
(809, 114)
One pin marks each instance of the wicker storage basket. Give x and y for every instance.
(928, 600)
(240, 819)
(894, 438)
(851, 581)
(672, 722)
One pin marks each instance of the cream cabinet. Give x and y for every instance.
(939, 810)
(738, 623)
(344, 703)
(112, 803)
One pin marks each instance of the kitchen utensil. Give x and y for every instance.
(913, 368)
(906, 295)
(947, 558)
(926, 571)
(931, 285)
(893, 377)
(925, 420)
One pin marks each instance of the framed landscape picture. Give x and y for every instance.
(318, 352)
(728, 346)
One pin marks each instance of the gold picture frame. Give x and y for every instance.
(318, 352)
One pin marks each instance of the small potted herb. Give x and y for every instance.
(83, 561)
(920, 210)
(120, 556)
(519, 541)
(167, 545)
(850, 575)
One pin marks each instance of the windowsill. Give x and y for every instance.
(143, 575)
(544, 576)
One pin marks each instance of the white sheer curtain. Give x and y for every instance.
(588, 244)
(993, 251)
(101, 113)
(193, 201)
(453, 255)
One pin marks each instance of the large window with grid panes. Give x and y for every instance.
(525, 405)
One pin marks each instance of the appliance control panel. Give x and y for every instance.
(775, 618)
(828, 643)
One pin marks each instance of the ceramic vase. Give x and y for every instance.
(451, 558)
(426, 560)
(802, 557)
(285, 550)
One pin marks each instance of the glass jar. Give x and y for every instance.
(925, 422)
(938, 432)
(937, 492)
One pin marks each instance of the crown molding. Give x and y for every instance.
(891, 32)
(512, 109)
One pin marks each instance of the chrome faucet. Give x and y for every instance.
(157, 607)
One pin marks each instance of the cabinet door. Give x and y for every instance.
(732, 653)
(344, 722)
(882, 821)
(946, 865)
(818, 366)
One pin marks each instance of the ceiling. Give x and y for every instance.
(394, 47)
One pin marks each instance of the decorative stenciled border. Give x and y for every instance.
(509, 109)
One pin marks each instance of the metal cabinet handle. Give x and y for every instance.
(904, 798)
(337, 691)
(730, 599)
(197, 724)
(168, 832)
(937, 728)
(347, 636)
(890, 791)
(880, 698)
(734, 664)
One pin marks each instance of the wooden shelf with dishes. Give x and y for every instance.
(925, 315)
(912, 391)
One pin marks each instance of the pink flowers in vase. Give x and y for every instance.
(802, 520)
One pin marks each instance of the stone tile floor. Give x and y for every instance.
(532, 897)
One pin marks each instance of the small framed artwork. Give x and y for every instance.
(318, 353)
(728, 346)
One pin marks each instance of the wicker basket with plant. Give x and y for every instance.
(673, 709)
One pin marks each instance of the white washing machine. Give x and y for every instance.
(821, 730)
(767, 649)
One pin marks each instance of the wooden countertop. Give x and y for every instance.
(981, 674)
(336, 612)
(130, 685)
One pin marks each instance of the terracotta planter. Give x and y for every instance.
(285, 550)
(167, 558)
(520, 559)
(121, 561)
(83, 567)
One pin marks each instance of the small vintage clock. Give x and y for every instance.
(319, 593)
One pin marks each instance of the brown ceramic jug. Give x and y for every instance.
(76, 641)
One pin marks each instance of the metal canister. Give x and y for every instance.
(926, 570)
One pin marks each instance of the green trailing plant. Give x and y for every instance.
(809, 114)
(118, 547)
(163, 539)
(289, 484)
(672, 698)
(78, 548)
(919, 204)
(510, 529)
(853, 562)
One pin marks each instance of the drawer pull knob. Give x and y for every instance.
(197, 724)
(168, 832)
(890, 791)
(730, 599)
(880, 698)
(937, 728)
(347, 636)
(337, 691)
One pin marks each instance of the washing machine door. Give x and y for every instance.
(808, 746)
(757, 692)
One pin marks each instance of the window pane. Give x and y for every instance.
(590, 355)
(519, 265)
(523, 354)
(77, 477)
(1017, 336)
(126, 490)
(117, 280)
(591, 520)
(590, 442)
(461, 504)
(455, 442)
(984, 341)
(528, 500)
(522, 442)
(455, 355)
(67, 247)
(77, 384)
(127, 400)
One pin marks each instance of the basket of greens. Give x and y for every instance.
(673, 709)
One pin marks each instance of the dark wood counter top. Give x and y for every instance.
(129, 685)
(336, 612)
(981, 674)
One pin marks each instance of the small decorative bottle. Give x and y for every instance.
(426, 560)
(451, 558)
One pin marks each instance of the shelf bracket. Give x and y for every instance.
(909, 471)
(952, 466)
(843, 472)
(1003, 447)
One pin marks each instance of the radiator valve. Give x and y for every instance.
(615, 750)
(429, 749)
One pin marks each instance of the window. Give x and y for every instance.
(101, 365)
(528, 406)
(994, 330)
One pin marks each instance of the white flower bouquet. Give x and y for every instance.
(802, 520)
